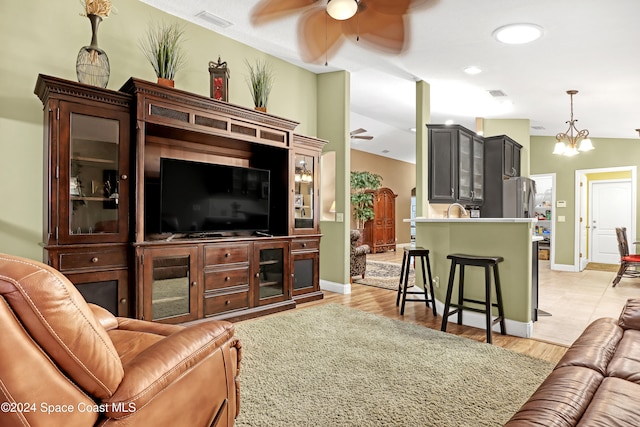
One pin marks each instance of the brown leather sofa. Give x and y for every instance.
(596, 383)
(64, 362)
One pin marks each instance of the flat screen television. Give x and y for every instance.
(208, 198)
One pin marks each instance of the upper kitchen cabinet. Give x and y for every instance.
(502, 161)
(456, 165)
(505, 153)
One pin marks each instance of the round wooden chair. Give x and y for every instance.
(628, 263)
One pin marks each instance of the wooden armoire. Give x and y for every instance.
(380, 232)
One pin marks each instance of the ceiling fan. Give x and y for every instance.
(355, 134)
(324, 25)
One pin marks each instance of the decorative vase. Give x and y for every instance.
(263, 109)
(92, 64)
(165, 82)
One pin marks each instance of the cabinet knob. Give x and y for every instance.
(123, 176)
(123, 301)
(257, 274)
(304, 245)
(451, 191)
(193, 283)
(227, 302)
(226, 279)
(94, 259)
(227, 255)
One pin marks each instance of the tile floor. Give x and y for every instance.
(576, 299)
(573, 299)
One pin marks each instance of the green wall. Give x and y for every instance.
(44, 36)
(608, 153)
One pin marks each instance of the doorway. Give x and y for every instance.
(610, 195)
(545, 202)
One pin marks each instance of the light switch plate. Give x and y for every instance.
(339, 217)
(561, 203)
(561, 218)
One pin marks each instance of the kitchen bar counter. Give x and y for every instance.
(511, 238)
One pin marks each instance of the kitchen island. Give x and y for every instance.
(510, 238)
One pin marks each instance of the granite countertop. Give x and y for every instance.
(510, 220)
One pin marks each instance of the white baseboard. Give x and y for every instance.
(564, 267)
(340, 288)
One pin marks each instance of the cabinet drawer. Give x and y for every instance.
(92, 260)
(216, 304)
(215, 255)
(226, 278)
(304, 245)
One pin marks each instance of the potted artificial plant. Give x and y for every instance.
(362, 197)
(260, 82)
(163, 49)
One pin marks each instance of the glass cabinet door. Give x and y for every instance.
(464, 166)
(170, 284)
(272, 284)
(478, 169)
(93, 185)
(303, 202)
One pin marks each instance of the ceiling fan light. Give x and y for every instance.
(585, 145)
(342, 9)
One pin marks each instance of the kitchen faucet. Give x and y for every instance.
(462, 209)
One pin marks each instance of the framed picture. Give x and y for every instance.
(74, 186)
(297, 201)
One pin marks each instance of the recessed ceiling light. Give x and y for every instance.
(412, 129)
(518, 33)
(448, 122)
(472, 70)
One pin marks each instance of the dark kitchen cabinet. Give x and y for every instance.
(456, 165)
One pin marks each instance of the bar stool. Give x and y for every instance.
(478, 261)
(423, 255)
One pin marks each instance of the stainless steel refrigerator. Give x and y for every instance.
(518, 197)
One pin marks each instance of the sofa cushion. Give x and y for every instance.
(630, 316)
(561, 399)
(595, 347)
(625, 363)
(614, 404)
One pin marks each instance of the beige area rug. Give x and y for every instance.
(602, 267)
(332, 366)
(384, 275)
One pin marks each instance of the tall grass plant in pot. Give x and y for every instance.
(260, 82)
(163, 48)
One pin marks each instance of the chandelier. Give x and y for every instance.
(567, 142)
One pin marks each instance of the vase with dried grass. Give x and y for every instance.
(163, 48)
(260, 82)
(92, 63)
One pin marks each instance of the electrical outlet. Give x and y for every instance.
(436, 281)
(339, 217)
(561, 218)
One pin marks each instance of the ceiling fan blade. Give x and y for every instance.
(319, 35)
(267, 10)
(367, 137)
(357, 131)
(395, 7)
(378, 30)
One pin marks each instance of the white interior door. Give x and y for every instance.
(584, 226)
(610, 208)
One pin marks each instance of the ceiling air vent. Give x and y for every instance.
(538, 127)
(213, 19)
(497, 92)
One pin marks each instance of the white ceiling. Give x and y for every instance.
(588, 45)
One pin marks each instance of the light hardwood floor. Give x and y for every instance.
(382, 302)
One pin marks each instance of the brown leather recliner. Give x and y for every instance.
(64, 362)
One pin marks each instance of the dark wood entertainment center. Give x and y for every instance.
(102, 167)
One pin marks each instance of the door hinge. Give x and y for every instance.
(57, 113)
(57, 172)
(56, 233)
(580, 219)
(581, 255)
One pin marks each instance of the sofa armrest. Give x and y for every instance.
(153, 370)
(630, 316)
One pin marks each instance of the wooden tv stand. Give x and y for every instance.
(174, 279)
